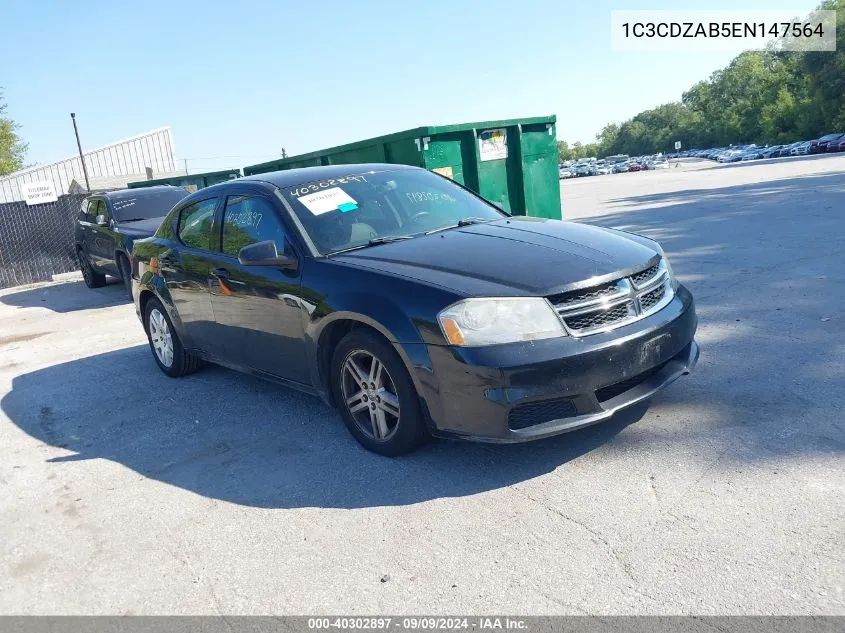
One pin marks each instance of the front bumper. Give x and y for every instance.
(525, 391)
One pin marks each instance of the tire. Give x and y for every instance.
(181, 361)
(375, 424)
(125, 272)
(91, 277)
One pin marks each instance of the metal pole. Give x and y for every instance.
(186, 166)
(79, 147)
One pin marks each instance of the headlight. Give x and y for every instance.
(507, 320)
(668, 266)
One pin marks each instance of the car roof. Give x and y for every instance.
(139, 191)
(289, 177)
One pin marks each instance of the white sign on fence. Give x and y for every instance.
(677, 145)
(38, 192)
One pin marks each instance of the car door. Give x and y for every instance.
(100, 237)
(258, 308)
(102, 244)
(185, 270)
(86, 231)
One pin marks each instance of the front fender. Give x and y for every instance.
(149, 282)
(383, 315)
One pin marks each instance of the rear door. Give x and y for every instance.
(258, 308)
(185, 269)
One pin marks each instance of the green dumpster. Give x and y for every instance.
(512, 163)
(191, 182)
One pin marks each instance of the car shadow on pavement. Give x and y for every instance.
(232, 437)
(68, 297)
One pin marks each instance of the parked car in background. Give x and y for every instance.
(382, 289)
(825, 145)
(801, 149)
(730, 156)
(752, 153)
(110, 222)
(635, 166)
(620, 167)
(564, 172)
(659, 163)
(602, 169)
(837, 146)
(771, 152)
(819, 145)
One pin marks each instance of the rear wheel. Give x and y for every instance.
(377, 399)
(92, 278)
(167, 349)
(125, 272)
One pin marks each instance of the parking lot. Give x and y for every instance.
(126, 492)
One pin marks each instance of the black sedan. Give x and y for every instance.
(413, 305)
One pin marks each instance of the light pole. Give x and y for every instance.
(81, 157)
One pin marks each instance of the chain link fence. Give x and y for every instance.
(37, 242)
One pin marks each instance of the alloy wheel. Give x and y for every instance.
(369, 395)
(161, 338)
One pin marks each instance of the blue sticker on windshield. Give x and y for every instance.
(347, 206)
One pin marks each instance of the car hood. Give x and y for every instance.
(140, 228)
(514, 256)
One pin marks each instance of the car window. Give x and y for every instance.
(349, 211)
(195, 222)
(250, 219)
(94, 209)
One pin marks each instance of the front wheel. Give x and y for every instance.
(167, 349)
(377, 399)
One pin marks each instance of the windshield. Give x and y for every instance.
(146, 204)
(347, 212)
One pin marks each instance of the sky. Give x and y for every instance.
(237, 82)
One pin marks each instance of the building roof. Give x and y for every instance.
(86, 152)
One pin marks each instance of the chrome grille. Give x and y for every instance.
(652, 297)
(613, 304)
(576, 298)
(642, 278)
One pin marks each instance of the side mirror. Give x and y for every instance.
(101, 220)
(265, 254)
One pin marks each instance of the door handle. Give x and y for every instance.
(220, 273)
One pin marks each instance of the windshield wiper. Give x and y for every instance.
(461, 222)
(385, 239)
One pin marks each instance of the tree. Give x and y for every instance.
(563, 151)
(12, 148)
(607, 138)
